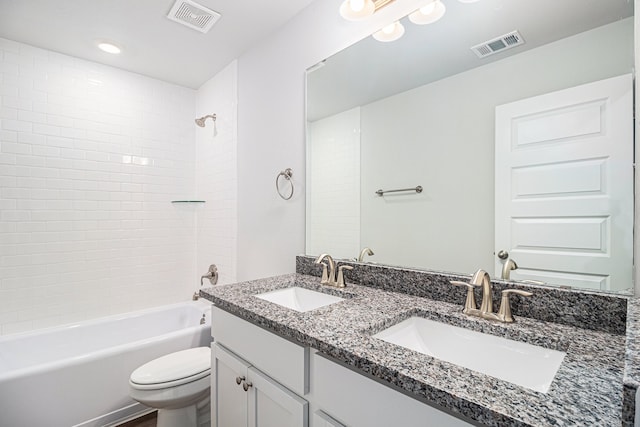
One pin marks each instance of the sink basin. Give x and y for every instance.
(520, 363)
(299, 299)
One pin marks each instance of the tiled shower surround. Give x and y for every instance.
(90, 158)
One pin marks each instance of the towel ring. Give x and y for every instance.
(287, 174)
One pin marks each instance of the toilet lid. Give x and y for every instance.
(174, 367)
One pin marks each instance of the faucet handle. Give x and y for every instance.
(325, 274)
(212, 275)
(470, 303)
(516, 292)
(504, 313)
(340, 282)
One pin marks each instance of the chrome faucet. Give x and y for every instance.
(329, 274)
(482, 278)
(363, 252)
(508, 265)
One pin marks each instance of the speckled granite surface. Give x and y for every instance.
(587, 390)
(580, 308)
(632, 362)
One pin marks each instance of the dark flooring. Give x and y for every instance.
(148, 420)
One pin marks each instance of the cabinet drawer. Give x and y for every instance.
(284, 361)
(359, 401)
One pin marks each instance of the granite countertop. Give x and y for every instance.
(586, 391)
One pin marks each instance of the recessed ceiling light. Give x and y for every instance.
(109, 47)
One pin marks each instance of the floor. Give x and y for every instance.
(148, 420)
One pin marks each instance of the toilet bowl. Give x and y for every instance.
(178, 386)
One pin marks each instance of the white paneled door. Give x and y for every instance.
(564, 185)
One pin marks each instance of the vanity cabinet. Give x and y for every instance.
(244, 396)
(359, 401)
(279, 372)
(273, 371)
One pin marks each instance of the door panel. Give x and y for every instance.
(271, 405)
(228, 399)
(564, 185)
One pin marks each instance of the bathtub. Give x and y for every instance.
(78, 375)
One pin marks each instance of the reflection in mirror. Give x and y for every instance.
(528, 151)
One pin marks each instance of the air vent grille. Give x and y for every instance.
(498, 44)
(193, 15)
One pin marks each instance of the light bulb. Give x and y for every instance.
(356, 5)
(389, 29)
(354, 10)
(429, 13)
(389, 32)
(428, 9)
(109, 48)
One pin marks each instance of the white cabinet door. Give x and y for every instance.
(564, 185)
(320, 419)
(271, 405)
(228, 399)
(243, 396)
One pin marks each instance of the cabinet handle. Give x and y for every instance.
(246, 385)
(239, 380)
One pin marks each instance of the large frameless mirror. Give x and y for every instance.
(524, 155)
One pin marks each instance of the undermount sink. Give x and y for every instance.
(520, 363)
(299, 299)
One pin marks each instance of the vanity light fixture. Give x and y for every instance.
(355, 10)
(109, 47)
(389, 33)
(429, 13)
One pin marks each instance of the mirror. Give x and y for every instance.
(427, 111)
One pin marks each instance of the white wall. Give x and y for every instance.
(216, 178)
(90, 158)
(333, 185)
(271, 130)
(636, 236)
(441, 136)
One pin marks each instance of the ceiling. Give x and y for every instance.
(152, 44)
(371, 70)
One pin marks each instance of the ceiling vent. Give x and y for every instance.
(498, 44)
(193, 15)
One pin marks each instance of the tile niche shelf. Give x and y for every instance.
(188, 201)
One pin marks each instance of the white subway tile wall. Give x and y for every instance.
(333, 183)
(216, 178)
(90, 159)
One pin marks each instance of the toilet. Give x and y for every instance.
(178, 386)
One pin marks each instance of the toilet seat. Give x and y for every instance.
(173, 369)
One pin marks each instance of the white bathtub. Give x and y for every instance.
(77, 375)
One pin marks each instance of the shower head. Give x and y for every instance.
(201, 120)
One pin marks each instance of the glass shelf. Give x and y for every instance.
(188, 201)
